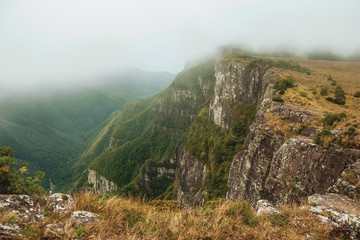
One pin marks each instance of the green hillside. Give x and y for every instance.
(151, 128)
(52, 132)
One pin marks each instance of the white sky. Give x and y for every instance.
(65, 40)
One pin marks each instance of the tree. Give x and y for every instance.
(14, 177)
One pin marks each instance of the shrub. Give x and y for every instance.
(278, 99)
(324, 90)
(13, 178)
(329, 77)
(351, 132)
(333, 83)
(357, 95)
(284, 83)
(330, 118)
(339, 96)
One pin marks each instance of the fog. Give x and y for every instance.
(47, 43)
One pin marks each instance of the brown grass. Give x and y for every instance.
(307, 91)
(127, 218)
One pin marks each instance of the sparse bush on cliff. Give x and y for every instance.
(330, 118)
(278, 99)
(284, 83)
(339, 96)
(13, 178)
(324, 90)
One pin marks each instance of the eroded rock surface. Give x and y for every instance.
(83, 218)
(349, 182)
(53, 231)
(10, 231)
(191, 175)
(60, 203)
(339, 212)
(25, 207)
(265, 207)
(100, 184)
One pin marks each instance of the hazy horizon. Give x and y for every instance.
(62, 42)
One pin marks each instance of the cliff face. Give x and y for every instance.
(100, 184)
(239, 84)
(281, 170)
(241, 81)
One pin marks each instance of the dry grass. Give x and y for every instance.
(123, 218)
(307, 91)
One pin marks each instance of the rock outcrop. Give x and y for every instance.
(24, 207)
(100, 184)
(349, 182)
(339, 212)
(60, 203)
(191, 174)
(83, 218)
(241, 81)
(284, 171)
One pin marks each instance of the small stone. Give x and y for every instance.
(265, 207)
(10, 231)
(60, 203)
(53, 230)
(83, 218)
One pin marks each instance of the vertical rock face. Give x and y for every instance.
(155, 177)
(191, 174)
(241, 81)
(249, 170)
(100, 184)
(283, 171)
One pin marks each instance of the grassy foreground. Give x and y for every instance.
(125, 218)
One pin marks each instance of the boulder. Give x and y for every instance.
(10, 231)
(53, 231)
(83, 218)
(265, 207)
(26, 208)
(338, 212)
(349, 182)
(60, 203)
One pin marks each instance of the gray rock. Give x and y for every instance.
(53, 231)
(10, 231)
(337, 211)
(83, 218)
(265, 207)
(27, 208)
(349, 182)
(60, 203)
(100, 184)
(191, 175)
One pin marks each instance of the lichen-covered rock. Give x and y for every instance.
(53, 231)
(284, 171)
(249, 169)
(349, 182)
(27, 208)
(191, 175)
(100, 184)
(60, 203)
(241, 81)
(10, 231)
(265, 207)
(300, 168)
(83, 218)
(339, 212)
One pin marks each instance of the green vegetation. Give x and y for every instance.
(14, 177)
(151, 128)
(330, 118)
(357, 95)
(217, 147)
(324, 90)
(278, 99)
(283, 84)
(339, 96)
(283, 64)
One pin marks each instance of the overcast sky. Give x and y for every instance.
(66, 40)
